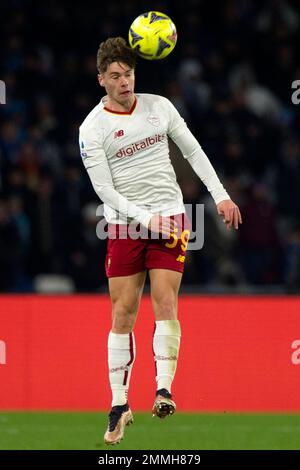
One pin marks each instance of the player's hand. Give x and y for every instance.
(164, 225)
(231, 213)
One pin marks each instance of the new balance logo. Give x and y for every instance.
(119, 133)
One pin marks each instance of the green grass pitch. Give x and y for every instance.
(186, 431)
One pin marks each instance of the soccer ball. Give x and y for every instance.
(153, 35)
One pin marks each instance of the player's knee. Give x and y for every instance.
(165, 309)
(123, 318)
(123, 324)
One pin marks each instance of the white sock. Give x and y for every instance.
(166, 342)
(121, 355)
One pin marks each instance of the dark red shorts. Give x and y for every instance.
(126, 256)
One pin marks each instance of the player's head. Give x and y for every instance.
(116, 63)
(114, 50)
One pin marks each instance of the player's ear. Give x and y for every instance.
(100, 79)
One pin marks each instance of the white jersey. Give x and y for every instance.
(127, 158)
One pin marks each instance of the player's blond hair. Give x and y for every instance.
(114, 50)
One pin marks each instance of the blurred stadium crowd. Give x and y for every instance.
(229, 76)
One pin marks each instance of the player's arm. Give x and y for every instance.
(192, 151)
(96, 164)
(200, 163)
(100, 177)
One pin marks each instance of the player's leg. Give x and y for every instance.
(125, 293)
(165, 261)
(165, 286)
